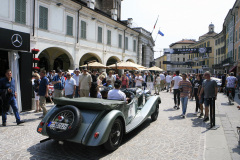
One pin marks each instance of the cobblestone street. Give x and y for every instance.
(170, 137)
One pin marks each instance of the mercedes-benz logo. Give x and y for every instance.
(17, 40)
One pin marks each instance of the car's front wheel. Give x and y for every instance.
(115, 136)
(154, 116)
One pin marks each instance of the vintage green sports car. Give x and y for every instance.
(94, 122)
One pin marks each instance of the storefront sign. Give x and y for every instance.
(177, 63)
(14, 40)
(188, 50)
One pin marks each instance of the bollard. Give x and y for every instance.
(238, 131)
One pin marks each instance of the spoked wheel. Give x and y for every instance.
(115, 136)
(64, 123)
(154, 116)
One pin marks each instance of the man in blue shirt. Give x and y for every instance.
(43, 92)
(58, 82)
(7, 86)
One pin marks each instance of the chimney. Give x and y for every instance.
(114, 13)
(129, 22)
(91, 4)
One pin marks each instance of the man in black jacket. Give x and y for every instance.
(7, 88)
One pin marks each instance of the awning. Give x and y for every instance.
(231, 69)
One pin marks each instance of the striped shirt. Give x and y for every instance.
(185, 85)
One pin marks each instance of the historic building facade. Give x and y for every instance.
(72, 33)
(185, 43)
(204, 62)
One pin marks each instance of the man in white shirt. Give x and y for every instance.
(111, 77)
(70, 86)
(163, 81)
(176, 91)
(138, 80)
(116, 94)
(76, 77)
(85, 81)
(231, 82)
(168, 81)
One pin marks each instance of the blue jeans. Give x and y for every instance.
(13, 103)
(76, 92)
(184, 101)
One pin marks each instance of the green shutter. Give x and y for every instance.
(43, 17)
(134, 45)
(109, 37)
(120, 41)
(83, 30)
(99, 34)
(69, 25)
(238, 52)
(20, 11)
(126, 42)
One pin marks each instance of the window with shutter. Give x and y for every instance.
(43, 17)
(120, 41)
(134, 45)
(126, 42)
(99, 34)
(109, 33)
(83, 30)
(69, 25)
(20, 11)
(238, 52)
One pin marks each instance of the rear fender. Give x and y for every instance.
(103, 128)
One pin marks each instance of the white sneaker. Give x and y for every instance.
(195, 113)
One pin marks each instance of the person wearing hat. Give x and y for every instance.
(85, 81)
(116, 93)
(58, 82)
(76, 77)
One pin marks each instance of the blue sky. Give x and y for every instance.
(178, 19)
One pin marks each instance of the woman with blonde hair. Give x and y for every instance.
(100, 79)
(36, 88)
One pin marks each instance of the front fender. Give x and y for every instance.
(103, 128)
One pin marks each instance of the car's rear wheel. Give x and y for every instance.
(115, 136)
(64, 123)
(154, 116)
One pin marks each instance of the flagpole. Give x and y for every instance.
(154, 25)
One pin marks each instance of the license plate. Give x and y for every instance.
(57, 125)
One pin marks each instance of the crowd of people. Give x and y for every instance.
(87, 83)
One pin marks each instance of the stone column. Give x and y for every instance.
(140, 54)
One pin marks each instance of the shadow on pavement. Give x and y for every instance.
(170, 109)
(236, 150)
(69, 150)
(175, 118)
(197, 122)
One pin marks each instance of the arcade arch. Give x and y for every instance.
(55, 58)
(89, 57)
(130, 60)
(112, 60)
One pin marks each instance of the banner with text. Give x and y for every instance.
(177, 63)
(188, 50)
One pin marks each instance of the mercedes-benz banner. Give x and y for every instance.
(14, 40)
